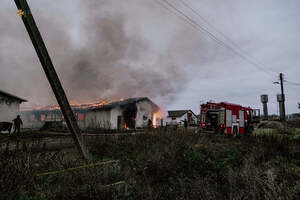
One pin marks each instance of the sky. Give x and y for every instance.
(110, 49)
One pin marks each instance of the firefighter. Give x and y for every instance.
(17, 125)
(249, 125)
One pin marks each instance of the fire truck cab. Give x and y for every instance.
(228, 118)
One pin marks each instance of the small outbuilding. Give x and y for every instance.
(177, 117)
(9, 106)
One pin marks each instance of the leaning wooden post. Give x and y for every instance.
(41, 50)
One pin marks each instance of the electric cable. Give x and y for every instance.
(213, 37)
(223, 34)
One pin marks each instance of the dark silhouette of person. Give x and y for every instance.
(17, 125)
(185, 123)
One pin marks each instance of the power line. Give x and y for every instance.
(292, 83)
(213, 37)
(173, 12)
(185, 18)
(222, 34)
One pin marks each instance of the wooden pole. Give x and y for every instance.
(283, 97)
(41, 50)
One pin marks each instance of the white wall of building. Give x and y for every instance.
(179, 120)
(98, 119)
(9, 111)
(176, 121)
(194, 119)
(109, 118)
(144, 113)
(115, 112)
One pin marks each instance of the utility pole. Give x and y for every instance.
(283, 97)
(41, 50)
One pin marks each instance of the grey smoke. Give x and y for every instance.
(108, 62)
(110, 49)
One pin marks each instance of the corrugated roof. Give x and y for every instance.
(124, 103)
(179, 113)
(102, 107)
(176, 113)
(12, 96)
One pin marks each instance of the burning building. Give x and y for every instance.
(129, 114)
(124, 114)
(9, 106)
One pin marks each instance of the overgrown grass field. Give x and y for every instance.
(161, 164)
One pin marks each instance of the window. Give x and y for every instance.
(80, 117)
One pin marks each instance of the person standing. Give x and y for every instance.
(185, 123)
(17, 125)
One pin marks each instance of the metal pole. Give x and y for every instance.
(283, 97)
(41, 50)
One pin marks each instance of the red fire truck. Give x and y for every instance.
(228, 118)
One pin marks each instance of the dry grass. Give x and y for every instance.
(163, 164)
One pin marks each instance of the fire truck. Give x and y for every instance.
(228, 118)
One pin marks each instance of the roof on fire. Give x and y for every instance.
(108, 106)
(178, 113)
(124, 103)
(12, 96)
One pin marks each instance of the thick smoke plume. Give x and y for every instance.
(112, 49)
(101, 52)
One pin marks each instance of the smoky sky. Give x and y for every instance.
(109, 49)
(98, 50)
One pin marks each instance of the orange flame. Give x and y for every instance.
(156, 117)
(154, 121)
(126, 127)
(74, 104)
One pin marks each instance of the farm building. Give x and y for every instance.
(125, 114)
(177, 117)
(129, 114)
(9, 106)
